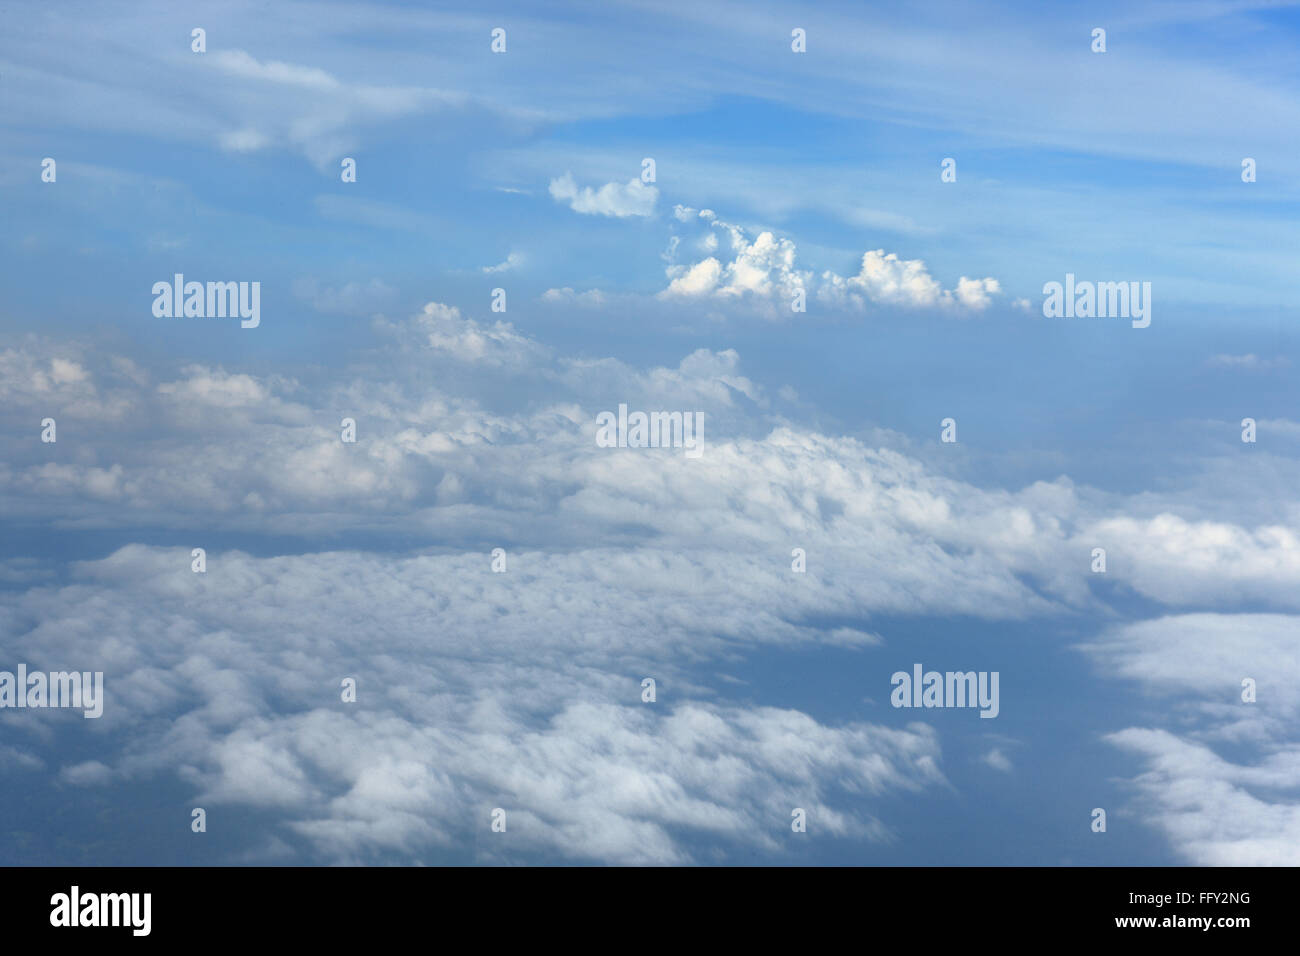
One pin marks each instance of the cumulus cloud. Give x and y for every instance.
(36, 378)
(620, 200)
(479, 689)
(761, 271)
(477, 686)
(976, 294)
(471, 424)
(763, 268)
(442, 328)
(888, 280)
(215, 387)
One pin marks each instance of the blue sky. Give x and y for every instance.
(776, 173)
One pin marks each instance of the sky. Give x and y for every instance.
(824, 255)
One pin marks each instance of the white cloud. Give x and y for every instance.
(762, 272)
(443, 328)
(701, 279)
(91, 773)
(240, 63)
(50, 382)
(239, 694)
(263, 452)
(620, 562)
(1216, 812)
(510, 262)
(976, 294)
(1182, 562)
(244, 140)
(633, 198)
(1249, 361)
(589, 298)
(886, 279)
(1209, 655)
(63, 372)
(270, 103)
(996, 759)
(215, 387)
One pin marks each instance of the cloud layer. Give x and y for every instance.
(521, 690)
